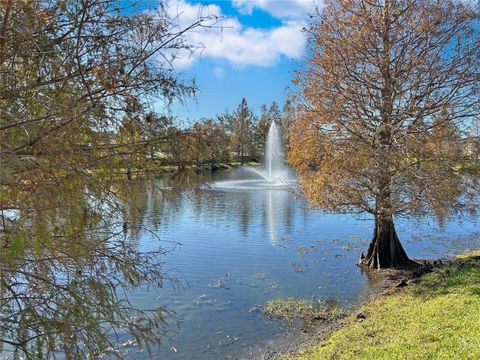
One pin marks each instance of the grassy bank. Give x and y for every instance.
(437, 318)
(157, 169)
(206, 166)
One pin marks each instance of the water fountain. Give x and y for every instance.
(273, 174)
(274, 155)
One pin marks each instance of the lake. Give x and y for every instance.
(233, 249)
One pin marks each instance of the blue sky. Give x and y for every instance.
(252, 54)
(222, 86)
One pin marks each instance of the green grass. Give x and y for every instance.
(439, 318)
(238, 163)
(170, 168)
(471, 167)
(288, 310)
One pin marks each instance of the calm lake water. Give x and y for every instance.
(239, 248)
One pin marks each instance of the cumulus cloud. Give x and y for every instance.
(282, 9)
(231, 41)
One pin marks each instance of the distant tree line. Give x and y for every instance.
(230, 137)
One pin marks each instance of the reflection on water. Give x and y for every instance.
(242, 247)
(278, 208)
(229, 249)
(67, 260)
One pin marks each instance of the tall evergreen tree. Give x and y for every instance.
(260, 130)
(241, 130)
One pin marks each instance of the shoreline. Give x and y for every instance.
(391, 283)
(291, 343)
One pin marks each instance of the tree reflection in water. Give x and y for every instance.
(66, 274)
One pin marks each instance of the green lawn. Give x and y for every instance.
(439, 318)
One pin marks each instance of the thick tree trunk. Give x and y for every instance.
(385, 250)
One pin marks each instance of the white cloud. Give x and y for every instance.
(282, 9)
(218, 72)
(231, 41)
